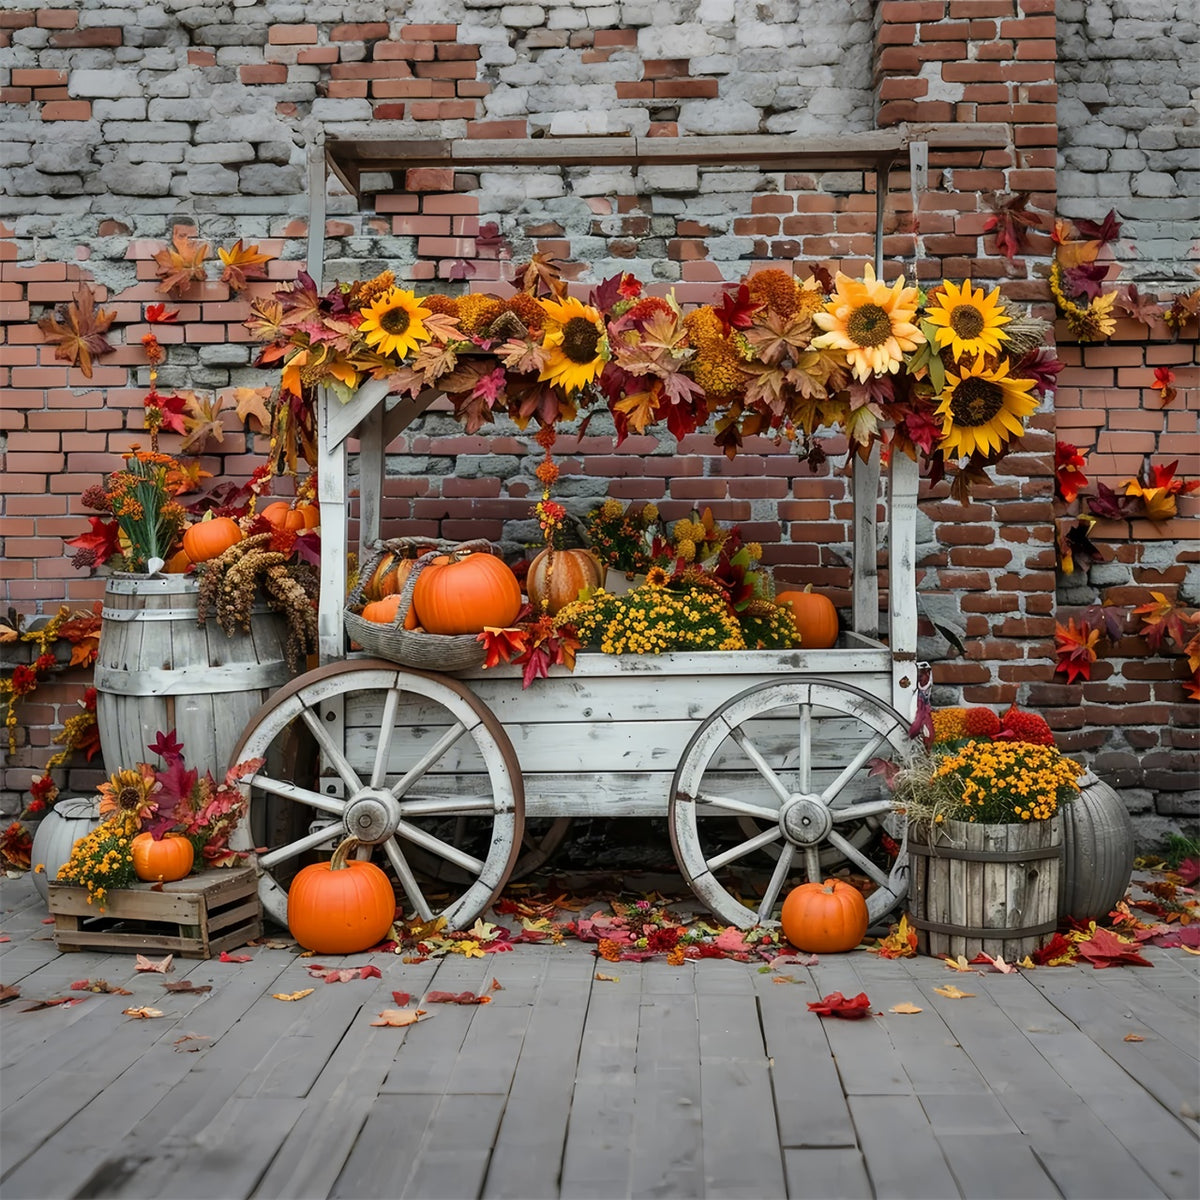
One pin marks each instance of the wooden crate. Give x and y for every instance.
(196, 917)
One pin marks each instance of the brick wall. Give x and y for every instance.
(117, 128)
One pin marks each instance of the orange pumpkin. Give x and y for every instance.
(824, 918)
(167, 858)
(283, 516)
(177, 563)
(210, 537)
(464, 593)
(383, 612)
(814, 615)
(342, 906)
(388, 576)
(556, 577)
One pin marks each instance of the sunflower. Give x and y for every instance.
(871, 322)
(970, 321)
(657, 577)
(129, 791)
(574, 335)
(982, 407)
(393, 324)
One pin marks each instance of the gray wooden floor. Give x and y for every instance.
(703, 1080)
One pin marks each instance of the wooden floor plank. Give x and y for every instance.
(740, 1141)
(825, 1172)
(385, 1148)
(901, 1152)
(452, 1159)
(1000, 1166)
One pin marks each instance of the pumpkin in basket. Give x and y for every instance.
(556, 577)
(460, 593)
(385, 611)
(388, 577)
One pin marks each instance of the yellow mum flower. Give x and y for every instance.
(981, 408)
(969, 321)
(393, 325)
(575, 337)
(871, 322)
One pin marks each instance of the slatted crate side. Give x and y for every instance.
(196, 917)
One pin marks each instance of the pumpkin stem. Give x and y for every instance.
(338, 861)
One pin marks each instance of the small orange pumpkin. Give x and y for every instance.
(342, 906)
(464, 593)
(283, 516)
(210, 537)
(824, 918)
(556, 577)
(388, 576)
(177, 563)
(167, 858)
(814, 615)
(382, 612)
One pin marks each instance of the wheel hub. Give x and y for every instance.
(804, 820)
(372, 817)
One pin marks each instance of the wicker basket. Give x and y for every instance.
(427, 651)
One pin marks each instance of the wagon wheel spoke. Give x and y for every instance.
(856, 764)
(764, 768)
(331, 750)
(778, 877)
(777, 783)
(422, 763)
(317, 838)
(429, 759)
(857, 857)
(408, 881)
(290, 791)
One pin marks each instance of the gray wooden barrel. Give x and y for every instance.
(989, 888)
(158, 669)
(1098, 848)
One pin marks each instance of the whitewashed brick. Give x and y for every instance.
(109, 84)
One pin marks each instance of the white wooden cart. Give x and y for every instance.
(761, 761)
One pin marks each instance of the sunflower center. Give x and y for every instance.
(976, 401)
(869, 326)
(129, 798)
(966, 320)
(395, 321)
(580, 339)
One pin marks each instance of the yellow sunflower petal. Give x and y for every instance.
(393, 325)
(969, 322)
(982, 408)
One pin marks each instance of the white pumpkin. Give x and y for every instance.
(56, 835)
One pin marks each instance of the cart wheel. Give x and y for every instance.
(793, 759)
(539, 842)
(422, 757)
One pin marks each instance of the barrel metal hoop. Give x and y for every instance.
(952, 854)
(973, 931)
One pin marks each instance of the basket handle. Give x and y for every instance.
(476, 546)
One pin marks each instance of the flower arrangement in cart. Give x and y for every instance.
(949, 376)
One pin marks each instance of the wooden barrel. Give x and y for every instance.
(1098, 847)
(159, 669)
(989, 888)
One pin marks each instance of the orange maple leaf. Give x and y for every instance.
(203, 422)
(251, 404)
(182, 266)
(1163, 619)
(79, 328)
(502, 645)
(242, 264)
(1075, 648)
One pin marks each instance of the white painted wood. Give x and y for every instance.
(865, 585)
(370, 476)
(902, 581)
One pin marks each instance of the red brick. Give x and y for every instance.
(369, 32)
(452, 203)
(370, 70)
(972, 9)
(82, 39)
(665, 68)
(429, 33)
(16, 20)
(292, 35)
(201, 58)
(410, 51)
(444, 70)
(318, 54)
(442, 110)
(497, 129)
(472, 88)
(263, 73)
(615, 37)
(686, 89)
(903, 89)
(1044, 50)
(56, 18)
(634, 91)
(67, 110)
(14, 95)
(949, 31)
(38, 77)
(346, 89)
(411, 89)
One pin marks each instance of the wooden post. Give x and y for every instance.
(903, 482)
(865, 546)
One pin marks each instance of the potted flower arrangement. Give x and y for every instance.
(144, 807)
(982, 799)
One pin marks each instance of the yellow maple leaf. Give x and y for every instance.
(292, 995)
(639, 407)
(251, 405)
(400, 1016)
(958, 964)
(242, 263)
(906, 1007)
(951, 992)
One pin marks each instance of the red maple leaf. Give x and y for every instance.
(101, 543)
(1010, 222)
(837, 1005)
(502, 645)
(1075, 647)
(737, 310)
(1068, 470)
(1106, 231)
(1105, 949)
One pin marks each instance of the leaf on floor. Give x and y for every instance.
(98, 985)
(227, 957)
(162, 965)
(344, 974)
(292, 995)
(183, 1045)
(456, 998)
(497, 986)
(957, 964)
(403, 999)
(9, 992)
(837, 1005)
(997, 964)
(401, 1016)
(143, 1013)
(952, 993)
(186, 985)
(1105, 949)
(600, 975)
(55, 1002)
(1133, 1037)
(906, 1007)
(901, 942)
